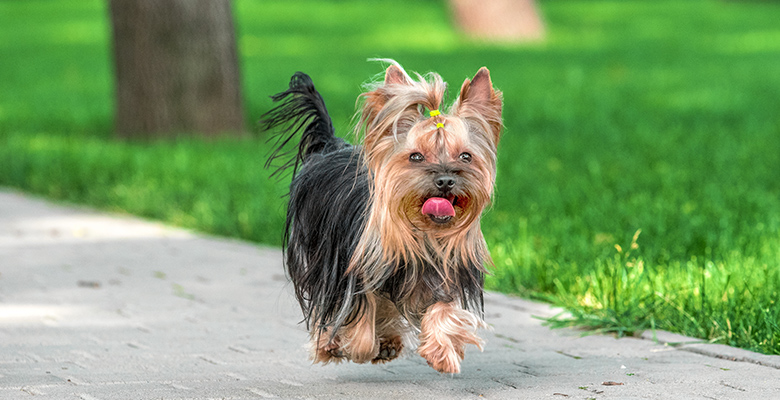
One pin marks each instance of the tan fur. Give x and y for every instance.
(390, 330)
(379, 328)
(394, 125)
(323, 349)
(446, 330)
(394, 122)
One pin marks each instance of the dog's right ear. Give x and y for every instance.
(375, 100)
(394, 75)
(378, 112)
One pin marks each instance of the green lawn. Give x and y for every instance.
(633, 115)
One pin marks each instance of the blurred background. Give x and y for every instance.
(639, 172)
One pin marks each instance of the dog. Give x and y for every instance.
(383, 240)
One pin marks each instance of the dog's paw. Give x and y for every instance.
(446, 330)
(443, 358)
(389, 349)
(327, 352)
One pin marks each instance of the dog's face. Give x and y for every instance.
(433, 173)
(438, 178)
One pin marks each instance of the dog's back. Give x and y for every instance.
(327, 200)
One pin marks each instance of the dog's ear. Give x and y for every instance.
(377, 98)
(478, 98)
(396, 76)
(375, 101)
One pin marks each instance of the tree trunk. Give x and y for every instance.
(505, 20)
(176, 68)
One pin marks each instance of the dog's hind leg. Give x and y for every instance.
(359, 339)
(390, 329)
(324, 349)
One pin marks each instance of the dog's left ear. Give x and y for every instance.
(477, 96)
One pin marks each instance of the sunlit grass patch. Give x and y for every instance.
(632, 115)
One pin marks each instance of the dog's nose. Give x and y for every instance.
(444, 182)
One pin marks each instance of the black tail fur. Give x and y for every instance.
(302, 110)
(327, 203)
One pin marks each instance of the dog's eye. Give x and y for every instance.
(465, 157)
(416, 157)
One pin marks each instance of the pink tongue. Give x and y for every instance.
(438, 207)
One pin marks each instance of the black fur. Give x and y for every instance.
(325, 218)
(327, 210)
(302, 110)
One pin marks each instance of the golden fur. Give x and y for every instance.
(394, 124)
(383, 239)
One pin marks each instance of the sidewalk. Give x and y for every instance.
(94, 306)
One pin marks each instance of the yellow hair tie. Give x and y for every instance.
(435, 113)
(439, 125)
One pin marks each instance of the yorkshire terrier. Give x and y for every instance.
(383, 240)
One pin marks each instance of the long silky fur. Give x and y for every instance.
(415, 269)
(326, 206)
(329, 206)
(302, 111)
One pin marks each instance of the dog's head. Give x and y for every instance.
(432, 169)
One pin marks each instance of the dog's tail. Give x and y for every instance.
(302, 110)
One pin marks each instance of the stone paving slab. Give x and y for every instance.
(97, 306)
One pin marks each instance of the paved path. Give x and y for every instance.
(94, 306)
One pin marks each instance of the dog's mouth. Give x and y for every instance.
(440, 209)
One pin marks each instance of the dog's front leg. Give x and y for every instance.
(445, 330)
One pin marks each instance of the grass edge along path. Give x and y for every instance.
(733, 301)
(613, 125)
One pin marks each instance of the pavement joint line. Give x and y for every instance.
(702, 347)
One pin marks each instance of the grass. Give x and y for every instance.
(659, 117)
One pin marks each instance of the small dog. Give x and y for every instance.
(383, 240)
